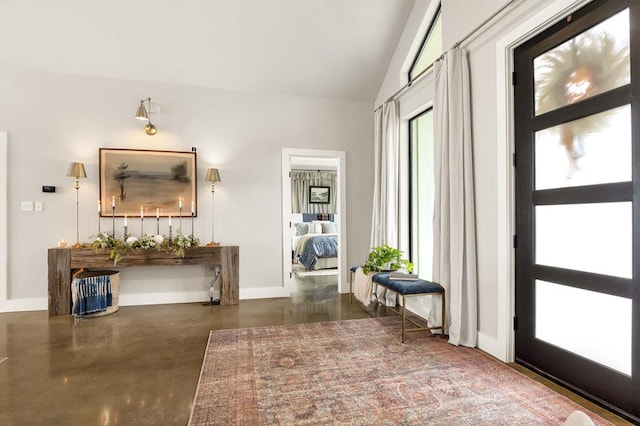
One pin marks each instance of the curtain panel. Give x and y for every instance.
(454, 251)
(301, 180)
(386, 201)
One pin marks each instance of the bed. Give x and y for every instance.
(315, 245)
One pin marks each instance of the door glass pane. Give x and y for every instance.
(423, 194)
(593, 238)
(592, 150)
(593, 62)
(594, 325)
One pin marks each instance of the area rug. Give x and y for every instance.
(357, 372)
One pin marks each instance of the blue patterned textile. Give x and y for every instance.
(309, 217)
(317, 247)
(91, 295)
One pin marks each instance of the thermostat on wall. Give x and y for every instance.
(46, 188)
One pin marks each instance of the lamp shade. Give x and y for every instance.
(213, 176)
(76, 170)
(141, 114)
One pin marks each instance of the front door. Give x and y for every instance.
(577, 121)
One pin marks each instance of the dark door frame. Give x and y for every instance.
(611, 390)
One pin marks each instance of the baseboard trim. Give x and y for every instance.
(263, 293)
(24, 305)
(142, 299)
(492, 346)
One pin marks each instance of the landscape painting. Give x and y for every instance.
(319, 194)
(148, 183)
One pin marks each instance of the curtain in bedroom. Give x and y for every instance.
(301, 180)
(384, 226)
(454, 251)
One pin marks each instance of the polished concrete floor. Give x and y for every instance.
(139, 366)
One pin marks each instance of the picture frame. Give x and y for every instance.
(319, 194)
(147, 183)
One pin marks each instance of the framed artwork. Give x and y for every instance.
(147, 183)
(319, 194)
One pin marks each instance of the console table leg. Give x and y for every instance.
(59, 281)
(229, 276)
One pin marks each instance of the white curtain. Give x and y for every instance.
(454, 251)
(384, 227)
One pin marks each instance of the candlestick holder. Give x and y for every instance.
(141, 227)
(113, 220)
(157, 226)
(170, 237)
(180, 216)
(126, 233)
(192, 216)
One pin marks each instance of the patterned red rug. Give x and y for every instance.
(358, 373)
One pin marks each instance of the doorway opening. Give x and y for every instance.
(313, 219)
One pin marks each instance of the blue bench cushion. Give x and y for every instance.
(407, 287)
(354, 268)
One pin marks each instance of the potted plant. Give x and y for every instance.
(386, 258)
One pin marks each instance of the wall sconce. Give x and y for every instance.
(76, 171)
(143, 114)
(213, 176)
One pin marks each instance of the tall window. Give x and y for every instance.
(430, 49)
(422, 192)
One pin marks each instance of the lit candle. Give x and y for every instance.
(141, 212)
(157, 213)
(180, 203)
(99, 208)
(113, 201)
(125, 220)
(192, 207)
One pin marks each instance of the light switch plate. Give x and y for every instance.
(27, 206)
(38, 206)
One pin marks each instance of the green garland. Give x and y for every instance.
(119, 248)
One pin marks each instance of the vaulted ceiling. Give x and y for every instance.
(326, 48)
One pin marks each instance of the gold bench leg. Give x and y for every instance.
(351, 287)
(444, 312)
(404, 314)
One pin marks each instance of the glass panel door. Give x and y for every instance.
(577, 216)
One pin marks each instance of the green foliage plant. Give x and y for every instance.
(383, 258)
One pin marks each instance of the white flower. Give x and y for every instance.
(158, 239)
(131, 241)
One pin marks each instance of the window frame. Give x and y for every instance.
(434, 18)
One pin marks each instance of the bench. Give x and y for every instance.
(410, 288)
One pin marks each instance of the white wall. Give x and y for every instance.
(491, 141)
(53, 120)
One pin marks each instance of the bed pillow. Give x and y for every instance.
(329, 228)
(302, 228)
(315, 227)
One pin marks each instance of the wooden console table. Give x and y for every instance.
(64, 261)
